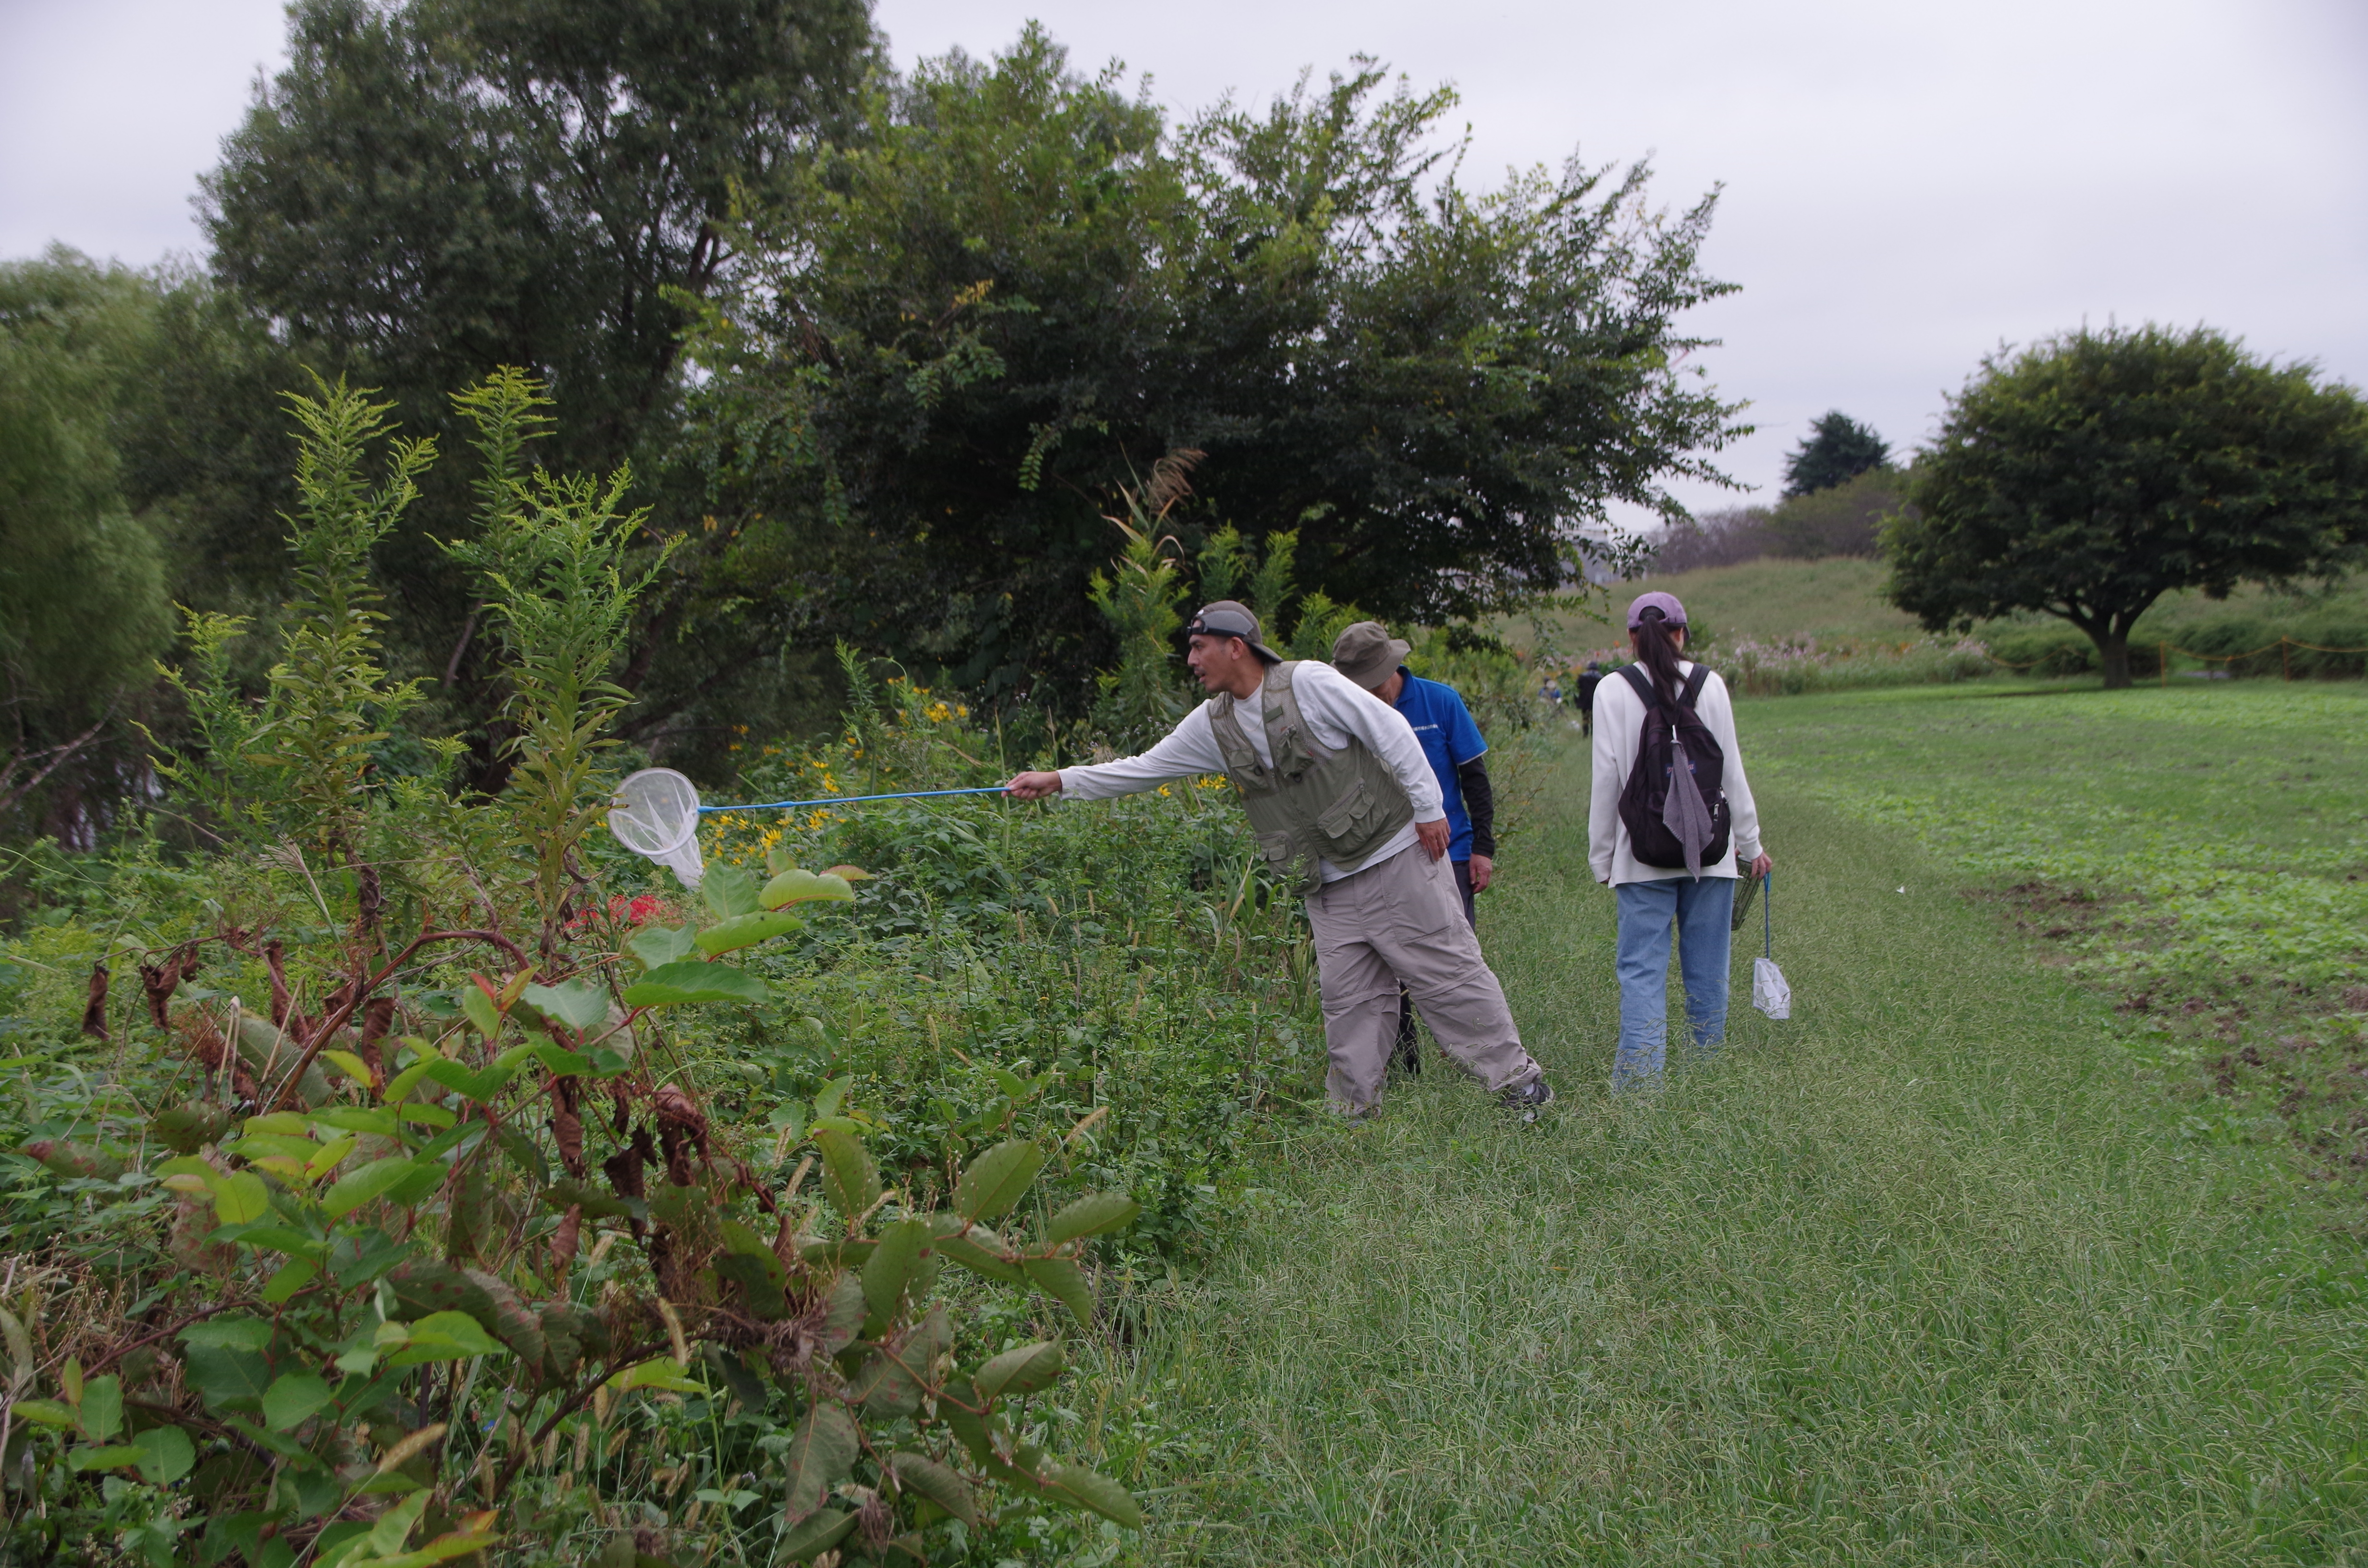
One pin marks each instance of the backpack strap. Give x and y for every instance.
(1692, 693)
(1635, 675)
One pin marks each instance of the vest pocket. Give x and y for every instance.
(1346, 819)
(1276, 848)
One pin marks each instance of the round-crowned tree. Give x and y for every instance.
(2091, 474)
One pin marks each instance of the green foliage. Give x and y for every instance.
(82, 606)
(550, 553)
(2091, 475)
(1142, 596)
(1837, 450)
(1019, 284)
(1844, 519)
(434, 187)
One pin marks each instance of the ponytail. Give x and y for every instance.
(1655, 642)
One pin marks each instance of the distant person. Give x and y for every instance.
(1587, 681)
(1369, 655)
(1661, 839)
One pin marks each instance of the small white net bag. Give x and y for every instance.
(657, 814)
(1768, 992)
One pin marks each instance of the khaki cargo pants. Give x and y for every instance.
(1402, 920)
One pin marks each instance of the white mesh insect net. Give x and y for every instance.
(657, 814)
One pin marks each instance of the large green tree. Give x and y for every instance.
(83, 604)
(971, 329)
(2093, 473)
(1837, 449)
(435, 187)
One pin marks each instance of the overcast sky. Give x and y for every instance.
(1906, 184)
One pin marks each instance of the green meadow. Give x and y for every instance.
(1979, 1259)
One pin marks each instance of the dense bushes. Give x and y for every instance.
(442, 1187)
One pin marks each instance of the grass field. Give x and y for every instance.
(1940, 1271)
(1839, 600)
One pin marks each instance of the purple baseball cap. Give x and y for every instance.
(1671, 610)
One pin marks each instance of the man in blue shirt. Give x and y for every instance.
(1368, 655)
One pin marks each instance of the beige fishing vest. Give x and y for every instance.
(1338, 805)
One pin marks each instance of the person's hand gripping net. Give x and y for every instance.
(1033, 785)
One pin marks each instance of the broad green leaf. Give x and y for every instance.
(448, 1335)
(676, 984)
(926, 1476)
(290, 1123)
(290, 1278)
(658, 946)
(962, 1408)
(581, 1004)
(1092, 1215)
(482, 1086)
(596, 1202)
(167, 1455)
(890, 1267)
(995, 1182)
(729, 892)
(272, 1145)
(849, 1180)
(843, 1320)
(1083, 1488)
(816, 1536)
(827, 1097)
(977, 1249)
(101, 1408)
(659, 1372)
(408, 1079)
(562, 1064)
(745, 931)
(380, 1121)
(227, 1376)
(293, 1399)
(1062, 1279)
(330, 1154)
(228, 1333)
(113, 1458)
(45, 1412)
(394, 1526)
(241, 1197)
(887, 1386)
(821, 1455)
(1022, 1370)
(481, 1010)
(353, 1066)
(350, 1191)
(799, 887)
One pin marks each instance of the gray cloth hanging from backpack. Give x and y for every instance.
(1685, 813)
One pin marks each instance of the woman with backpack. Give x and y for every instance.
(1670, 817)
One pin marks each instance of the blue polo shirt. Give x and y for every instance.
(1450, 739)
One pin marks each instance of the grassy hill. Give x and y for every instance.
(1839, 600)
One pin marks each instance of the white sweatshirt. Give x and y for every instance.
(1619, 726)
(1335, 707)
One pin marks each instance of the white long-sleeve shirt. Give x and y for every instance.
(1335, 707)
(1618, 730)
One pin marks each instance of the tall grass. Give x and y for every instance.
(1926, 1275)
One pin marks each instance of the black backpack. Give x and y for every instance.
(1645, 808)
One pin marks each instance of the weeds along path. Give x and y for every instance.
(1923, 1275)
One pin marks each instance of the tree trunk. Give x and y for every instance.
(2114, 657)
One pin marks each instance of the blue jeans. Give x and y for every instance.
(1699, 911)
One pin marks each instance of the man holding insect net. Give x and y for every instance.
(1345, 806)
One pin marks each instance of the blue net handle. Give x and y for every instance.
(855, 800)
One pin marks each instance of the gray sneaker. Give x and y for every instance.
(1528, 1098)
